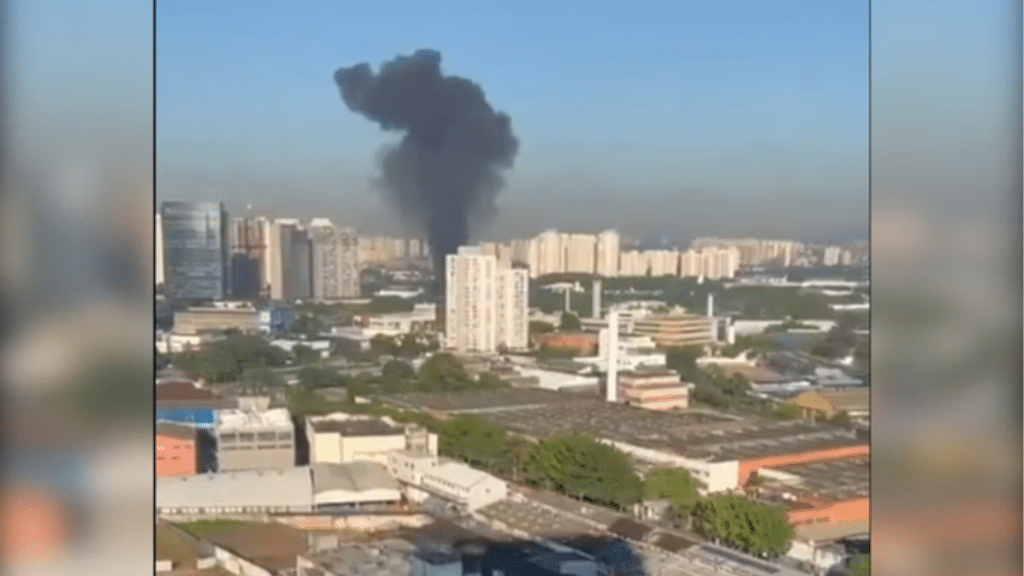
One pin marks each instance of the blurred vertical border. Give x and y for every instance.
(76, 304)
(946, 173)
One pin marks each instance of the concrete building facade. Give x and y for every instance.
(486, 306)
(335, 261)
(608, 249)
(676, 330)
(254, 437)
(341, 438)
(654, 390)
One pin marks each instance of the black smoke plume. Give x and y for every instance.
(445, 173)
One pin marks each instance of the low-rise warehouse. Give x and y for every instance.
(353, 484)
(295, 490)
(242, 492)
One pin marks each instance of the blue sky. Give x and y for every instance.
(751, 103)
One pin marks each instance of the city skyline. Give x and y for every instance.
(744, 110)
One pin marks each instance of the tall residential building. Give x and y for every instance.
(831, 256)
(335, 261)
(486, 304)
(513, 297)
(689, 264)
(547, 254)
(470, 301)
(632, 264)
(195, 250)
(608, 247)
(158, 264)
(662, 262)
(580, 253)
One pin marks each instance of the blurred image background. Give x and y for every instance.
(76, 286)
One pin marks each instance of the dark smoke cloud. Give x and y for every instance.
(446, 172)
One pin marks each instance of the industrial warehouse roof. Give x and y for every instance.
(292, 488)
(838, 479)
(351, 477)
(691, 434)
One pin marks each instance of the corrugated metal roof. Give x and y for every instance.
(351, 477)
(254, 488)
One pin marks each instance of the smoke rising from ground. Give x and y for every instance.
(445, 173)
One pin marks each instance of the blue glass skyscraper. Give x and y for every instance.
(196, 264)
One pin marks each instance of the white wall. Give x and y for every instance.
(716, 476)
(486, 492)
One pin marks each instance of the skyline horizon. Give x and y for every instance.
(736, 111)
(849, 236)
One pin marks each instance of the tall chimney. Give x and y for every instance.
(711, 305)
(596, 312)
(568, 292)
(612, 384)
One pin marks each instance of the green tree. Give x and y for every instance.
(382, 345)
(389, 305)
(263, 379)
(582, 467)
(570, 322)
(739, 522)
(788, 411)
(304, 354)
(860, 565)
(313, 377)
(473, 440)
(410, 347)
(308, 325)
(443, 372)
(684, 361)
(491, 381)
(538, 327)
(395, 370)
(675, 484)
(841, 418)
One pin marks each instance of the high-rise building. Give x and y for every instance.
(632, 264)
(296, 263)
(547, 254)
(486, 304)
(158, 264)
(608, 248)
(580, 253)
(195, 250)
(335, 261)
(248, 255)
(471, 301)
(513, 296)
(831, 256)
(690, 264)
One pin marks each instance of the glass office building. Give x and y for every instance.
(196, 264)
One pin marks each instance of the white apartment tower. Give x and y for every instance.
(547, 254)
(335, 266)
(513, 308)
(608, 248)
(486, 305)
(580, 253)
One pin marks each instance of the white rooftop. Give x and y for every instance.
(247, 420)
(458, 474)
